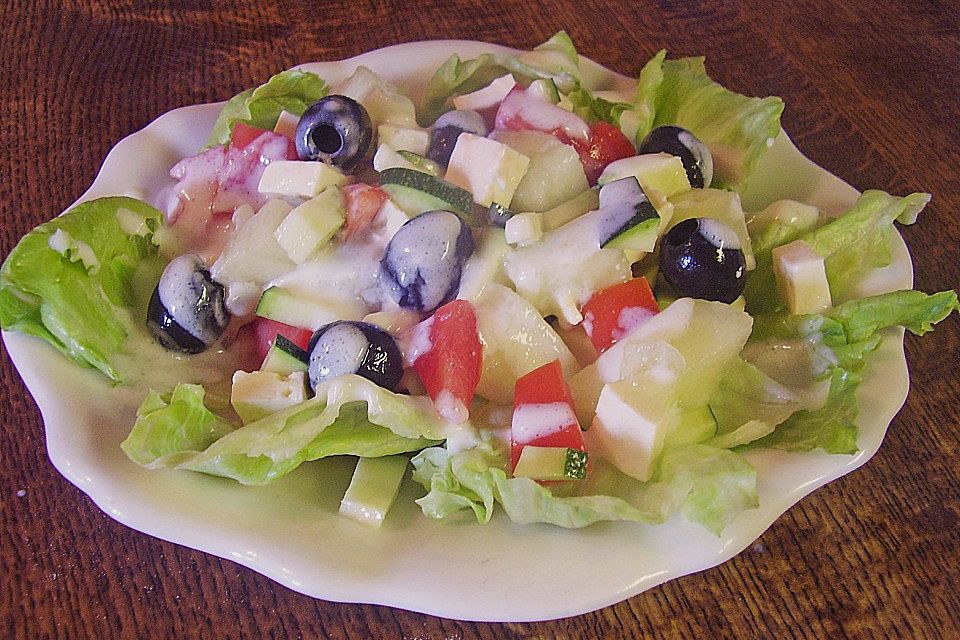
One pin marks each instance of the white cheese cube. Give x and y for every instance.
(629, 427)
(387, 158)
(524, 228)
(299, 178)
(311, 225)
(486, 98)
(801, 278)
(389, 219)
(287, 124)
(486, 168)
(404, 138)
(258, 394)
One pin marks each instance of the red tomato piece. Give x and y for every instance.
(243, 134)
(607, 144)
(449, 363)
(543, 412)
(265, 331)
(612, 313)
(363, 202)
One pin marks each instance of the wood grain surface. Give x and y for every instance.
(872, 94)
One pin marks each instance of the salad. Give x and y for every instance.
(546, 299)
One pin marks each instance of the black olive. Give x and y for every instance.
(423, 262)
(187, 311)
(677, 141)
(335, 129)
(347, 346)
(701, 258)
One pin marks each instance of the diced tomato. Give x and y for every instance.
(543, 395)
(449, 364)
(243, 134)
(597, 146)
(607, 144)
(612, 313)
(265, 332)
(362, 202)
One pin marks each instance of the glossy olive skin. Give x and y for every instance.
(423, 262)
(697, 265)
(348, 346)
(187, 311)
(336, 130)
(677, 141)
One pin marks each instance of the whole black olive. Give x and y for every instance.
(677, 141)
(701, 258)
(348, 346)
(187, 311)
(335, 129)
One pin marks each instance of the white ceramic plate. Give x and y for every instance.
(290, 531)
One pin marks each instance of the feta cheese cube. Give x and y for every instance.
(801, 278)
(387, 158)
(258, 394)
(404, 138)
(486, 98)
(311, 225)
(287, 124)
(629, 427)
(299, 178)
(486, 168)
(524, 228)
(389, 219)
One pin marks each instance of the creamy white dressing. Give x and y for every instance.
(534, 421)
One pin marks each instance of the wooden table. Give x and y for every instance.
(872, 95)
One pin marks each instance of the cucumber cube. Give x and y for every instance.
(373, 489)
(551, 463)
(311, 225)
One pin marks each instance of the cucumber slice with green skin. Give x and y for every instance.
(287, 307)
(551, 463)
(545, 89)
(418, 189)
(628, 220)
(373, 489)
(284, 357)
(422, 162)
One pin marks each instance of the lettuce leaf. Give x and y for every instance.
(844, 336)
(737, 129)
(851, 244)
(748, 397)
(70, 280)
(637, 121)
(349, 416)
(555, 59)
(172, 429)
(709, 485)
(593, 108)
(859, 239)
(291, 91)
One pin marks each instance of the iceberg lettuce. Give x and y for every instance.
(555, 59)
(851, 244)
(708, 484)
(843, 337)
(71, 281)
(291, 91)
(349, 416)
(737, 129)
